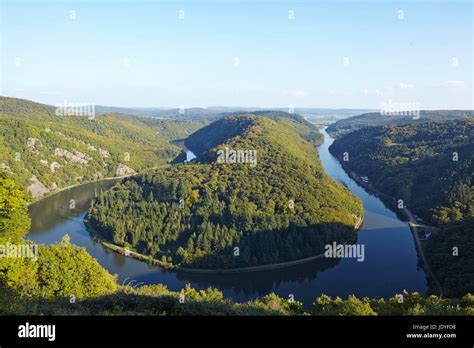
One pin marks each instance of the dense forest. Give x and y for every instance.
(208, 214)
(454, 272)
(430, 167)
(372, 119)
(66, 280)
(47, 152)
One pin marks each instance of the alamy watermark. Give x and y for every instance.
(237, 156)
(391, 108)
(75, 109)
(336, 250)
(10, 250)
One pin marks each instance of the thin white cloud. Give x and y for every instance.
(458, 84)
(406, 85)
(384, 91)
(299, 94)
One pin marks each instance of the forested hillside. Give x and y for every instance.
(347, 125)
(417, 163)
(455, 271)
(295, 122)
(430, 167)
(225, 215)
(64, 272)
(46, 152)
(209, 137)
(184, 114)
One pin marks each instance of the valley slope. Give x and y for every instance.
(47, 152)
(429, 166)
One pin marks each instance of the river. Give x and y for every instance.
(390, 265)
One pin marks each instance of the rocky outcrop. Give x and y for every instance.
(75, 156)
(36, 187)
(5, 167)
(104, 153)
(31, 143)
(53, 166)
(122, 170)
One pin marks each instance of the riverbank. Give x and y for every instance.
(52, 193)
(407, 215)
(272, 266)
(94, 233)
(413, 224)
(169, 267)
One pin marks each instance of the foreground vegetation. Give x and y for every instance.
(429, 166)
(158, 300)
(228, 215)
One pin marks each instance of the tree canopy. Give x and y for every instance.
(196, 215)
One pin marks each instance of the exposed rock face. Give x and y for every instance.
(53, 166)
(82, 155)
(104, 153)
(122, 170)
(31, 144)
(45, 162)
(37, 188)
(76, 157)
(7, 168)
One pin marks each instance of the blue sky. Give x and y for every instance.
(339, 54)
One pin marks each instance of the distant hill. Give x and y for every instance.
(208, 137)
(185, 114)
(345, 126)
(213, 112)
(47, 152)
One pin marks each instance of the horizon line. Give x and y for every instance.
(235, 107)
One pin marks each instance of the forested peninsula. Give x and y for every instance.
(214, 214)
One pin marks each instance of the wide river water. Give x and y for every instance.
(390, 265)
